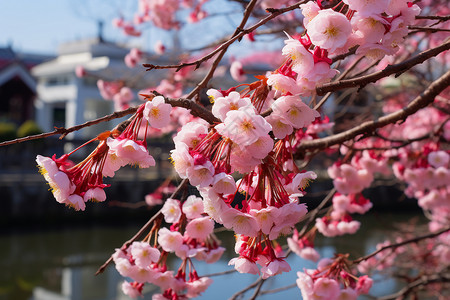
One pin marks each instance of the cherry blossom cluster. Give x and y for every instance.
(424, 165)
(303, 246)
(133, 57)
(349, 180)
(376, 29)
(161, 14)
(332, 280)
(190, 236)
(74, 185)
(116, 91)
(263, 203)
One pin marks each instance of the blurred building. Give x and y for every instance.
(17, 86)
(65, 100)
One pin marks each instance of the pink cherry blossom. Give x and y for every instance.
(159, 48)
(144, 254)
(157, 112)
(200, 228)
(294, 111)
(224, 184)
(283, 84)
(237, 71)
(329, 29)
(302, 59)
(280, 127)
(171, 210)
(222, 105)
(242, 223)
(132, 289)
(309, 11)
(243, 265)
(201, 175)
(170, 241)
(368, 7)
(439, 159)
(196, 287)
(243, 127)
(96, 194)
(275, 267)
(193, 207)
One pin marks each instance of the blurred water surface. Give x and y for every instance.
(59, 263)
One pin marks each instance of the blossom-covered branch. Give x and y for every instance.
(367, 127)
(396, 69)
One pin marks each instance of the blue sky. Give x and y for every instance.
(40, 26)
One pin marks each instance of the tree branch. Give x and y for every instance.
(423, 280)
(409, 241)
(396, 69)
(249, 287)
(419, 102)
(273, 14)
(63, 131)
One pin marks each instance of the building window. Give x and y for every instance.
(54, 81)
(59, 116)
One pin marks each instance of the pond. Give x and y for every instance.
(60, 263)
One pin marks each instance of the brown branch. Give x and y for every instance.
(419, 102)
(341, 76)
(220, 273)
(396, 69)
(316, 211)
(65, 131)
(432, 29)
(422, 281)
(143, 228)
(402, 143)
(351, 51)
(207, 78)
(258, 289)
(273, 14)
(247, 288)
(405, 242)
(196, 109)
(441, 18)
(280, 289)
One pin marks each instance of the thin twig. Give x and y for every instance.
(247, 288)
(258, 289)
(280, 289)
(432, 29)
(441, 18)
(342, 76)
(316, 211)
(273, 14)
(422, 281)
(208, 76)
(220, 273)
(405, 242)
(403, 143)
(143, 228)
